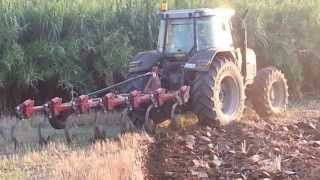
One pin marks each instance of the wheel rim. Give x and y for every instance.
(229, 96)
(277, 94)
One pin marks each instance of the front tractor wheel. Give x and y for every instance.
(218, 94)
(269, 92)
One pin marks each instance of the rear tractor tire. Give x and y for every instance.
(218, 96)
(269, 94)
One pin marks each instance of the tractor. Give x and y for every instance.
(201, 64)
(206, 49)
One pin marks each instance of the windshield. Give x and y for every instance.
(213, 32)
(205, 33)
(180, 36)
(162, 31)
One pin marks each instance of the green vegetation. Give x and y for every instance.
(58, 45)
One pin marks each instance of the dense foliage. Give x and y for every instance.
(49, 47)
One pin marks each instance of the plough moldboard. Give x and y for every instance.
(152, 98)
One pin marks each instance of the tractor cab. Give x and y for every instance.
(188, 40)
(188, 31)
(184, 33)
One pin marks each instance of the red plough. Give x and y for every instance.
(57, 112)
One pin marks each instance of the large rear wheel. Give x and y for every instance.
(269, 94)
(218, 94)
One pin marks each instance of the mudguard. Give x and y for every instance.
(201, 60)
(251, 66)
(144, 61)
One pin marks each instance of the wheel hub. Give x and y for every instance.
(277, 94)
(222, 93)
(229, 96)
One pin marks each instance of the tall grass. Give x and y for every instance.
(48, 48)
(47, 45)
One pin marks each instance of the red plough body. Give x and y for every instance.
(56, 110)
(27, 109)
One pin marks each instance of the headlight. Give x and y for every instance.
(133, 65)
(190, 66)
(203, 66)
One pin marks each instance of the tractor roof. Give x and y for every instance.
(202, 12)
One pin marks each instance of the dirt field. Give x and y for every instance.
(286, 147)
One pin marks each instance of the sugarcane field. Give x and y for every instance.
(159, 89)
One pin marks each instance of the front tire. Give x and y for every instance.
(269, 95)
(218, 94)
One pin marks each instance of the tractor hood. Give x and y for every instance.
(201, 12)
(144, 61)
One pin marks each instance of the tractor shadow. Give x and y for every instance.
(85, 158)
(18, 137)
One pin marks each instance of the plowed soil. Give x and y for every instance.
(285, 147)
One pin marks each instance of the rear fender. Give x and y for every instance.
(202, 60)
(251, 65)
